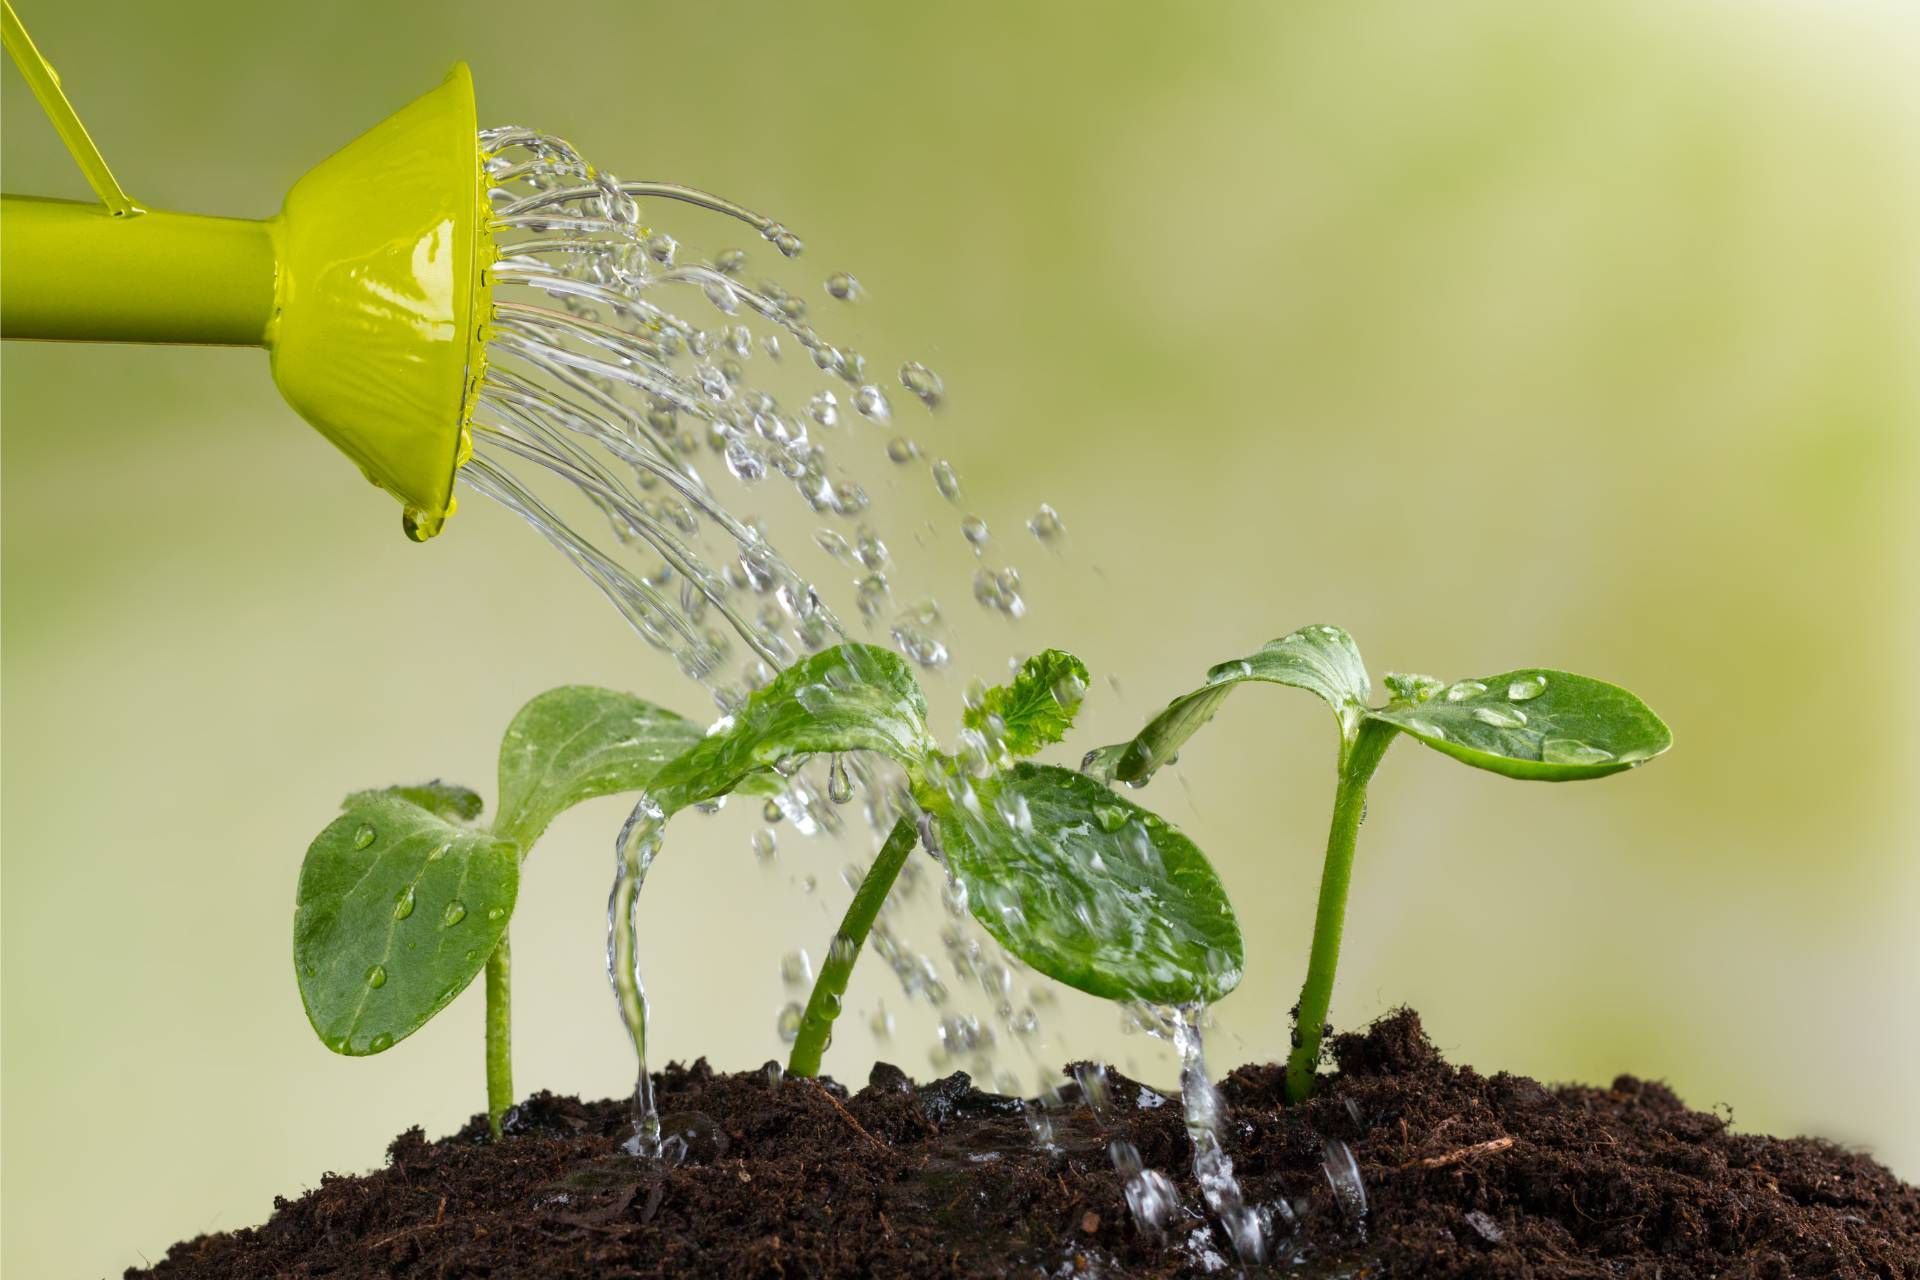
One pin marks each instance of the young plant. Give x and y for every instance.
(402, 900)
(1534, 723)
(1081, 884)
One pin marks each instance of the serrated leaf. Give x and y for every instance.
(1320, 659)
(578, 742)
(1535, 723)
(855, 697)
(449, 800)
(1038, 708)
(1089, 888)
(397, 909)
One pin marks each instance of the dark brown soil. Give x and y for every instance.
(1465, 1175)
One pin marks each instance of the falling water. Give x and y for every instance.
(638, 843)
(1247, 1227)
(600, 385)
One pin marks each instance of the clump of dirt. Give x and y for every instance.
(1464, 1175)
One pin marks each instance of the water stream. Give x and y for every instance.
(665, 391)
(620, 364)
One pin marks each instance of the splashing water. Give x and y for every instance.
(617, 367)
(1248, 1227)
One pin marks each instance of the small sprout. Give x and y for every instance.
(401, 885)
(1537, 724)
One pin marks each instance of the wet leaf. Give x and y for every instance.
(448, 800)
(397, 909)
(1534, 723)
(855, 697)
(575, 743)
(1320, 659)
(1089, 888)
(1038, 708)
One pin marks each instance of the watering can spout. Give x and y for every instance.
(367, 289)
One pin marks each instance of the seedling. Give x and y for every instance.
(1081, 884)
(403, 900)
(1536, 724)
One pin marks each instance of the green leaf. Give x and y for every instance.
(855, 697)
(1037, 709)
(1089, 888)
(1320, 659)
(449, 801)
(575, 743)
(397, 909)
(1549, 726)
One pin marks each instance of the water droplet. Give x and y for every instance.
(1426, 728)
(881, 1024)
(923, 382)
(1110, 817)
(871, 401)
(363, 836)
(403, 905)
(1573, 751)
(496, 913)
(839, 780)
(946, 480)
(771, 812)
(1046, 525)
(796, 969)
(787, 1022)
(439, 851)
(872, 552)
(974, 529)
(843, 285)
(1526, 687)
(1500, 717)
(662, 248)
(902, 450)
(730, 261)
(380, 1043)
(824, 408)
(764, 844)
(377, 977)
(789, 244)
(1462, 690)
(456, 912)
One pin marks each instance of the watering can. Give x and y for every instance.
(367, 289)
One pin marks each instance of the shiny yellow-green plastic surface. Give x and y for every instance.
(74, 272)
(376, 336)
(368, 288)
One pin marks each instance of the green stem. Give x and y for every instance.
(823, 1006)
(499, 1035)
(1357, 764)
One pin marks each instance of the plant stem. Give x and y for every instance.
(499, 1035)
(1357, 764)
(823, 1006)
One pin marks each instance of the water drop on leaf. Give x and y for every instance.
(456, 912)
(1526, 687)
(1573, 751)
(363, 836)
(1500, 717)
(377, 977)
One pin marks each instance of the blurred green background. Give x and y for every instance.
(1498, 332)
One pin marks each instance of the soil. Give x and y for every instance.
(1465, 1175)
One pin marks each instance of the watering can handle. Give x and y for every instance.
(45, 83)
